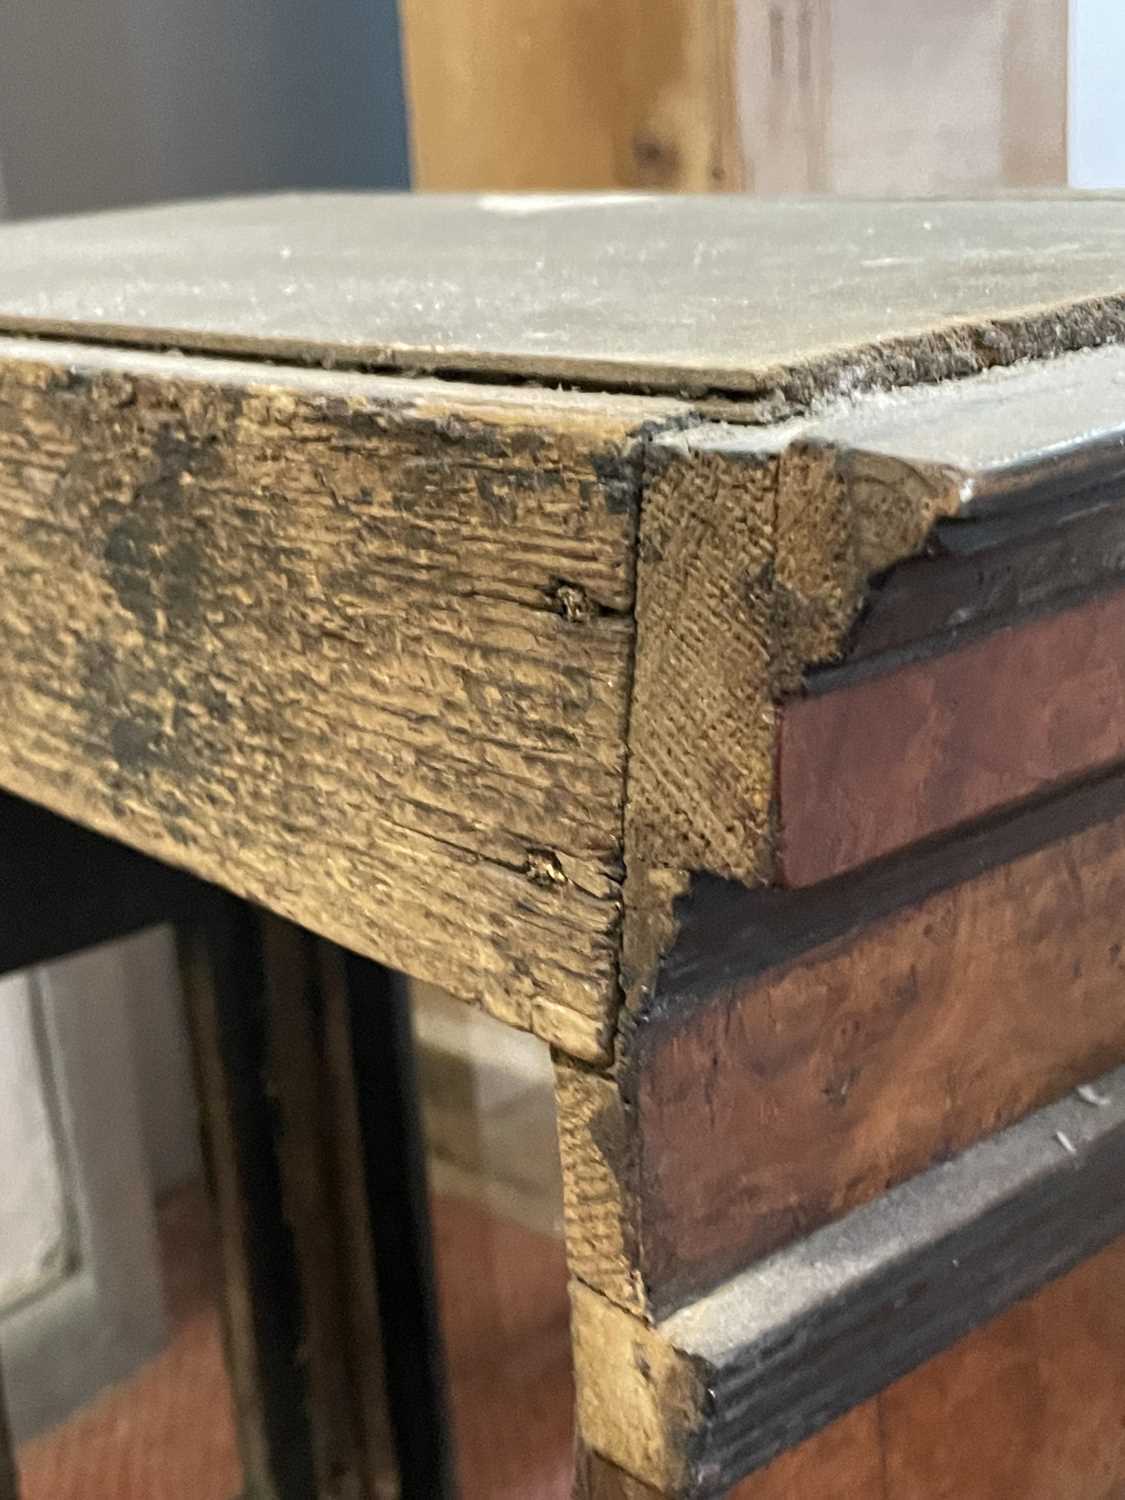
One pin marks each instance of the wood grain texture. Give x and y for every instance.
(1031, 1404)
(756, 554)
(357, 650)
(786, 1100)
(693, 1404)
(810, 1332)
(911, 753)
(261, 1309)
(556, 96)
(842, 1462)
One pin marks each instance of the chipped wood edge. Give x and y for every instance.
(694, 1403)
(641, 1400)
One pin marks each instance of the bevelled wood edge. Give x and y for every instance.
(760, 549)
(773, 1355)
(908, 754)
(728, 933)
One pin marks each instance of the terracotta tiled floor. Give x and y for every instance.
(167, 1433)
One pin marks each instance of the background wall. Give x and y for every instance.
(126, 101)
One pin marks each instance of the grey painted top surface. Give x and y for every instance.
(649, 292)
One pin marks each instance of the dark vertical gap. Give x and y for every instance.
(394, 1167)
(9, 1482)
(233, 937)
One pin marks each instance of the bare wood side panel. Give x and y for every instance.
(356, 648)
(787, 1100)
(913, 752)
(553, 97)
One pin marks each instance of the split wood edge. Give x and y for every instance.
(698, 1401)
(755, 552)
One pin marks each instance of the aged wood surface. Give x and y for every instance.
(359, 653)
(757, 551)
(841, 1462)
(1029, 1404)
(547, 98)
(788, 1097)
(723, 1385)
(261, 1304)
(912, 752)
(779, 303)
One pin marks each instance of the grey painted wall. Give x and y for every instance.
(127, 101)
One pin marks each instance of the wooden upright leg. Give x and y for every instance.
(318, 1167)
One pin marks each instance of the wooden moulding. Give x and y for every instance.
(914, 751)
(808, 1049)
(957, 1427)
(887, 526)
(721, 1386)
(357, 648)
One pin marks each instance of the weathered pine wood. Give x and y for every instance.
(756, 558)
(827, 92)
(260, 1289)
(358, 650)
(550, 97)
(912, 752)
(724, 1384)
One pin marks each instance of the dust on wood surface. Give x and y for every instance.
(1027, 1405)
(782, 301)
(316, 637)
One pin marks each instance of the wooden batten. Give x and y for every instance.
(354, 648)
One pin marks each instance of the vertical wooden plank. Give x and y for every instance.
(223, 985)
(366, 1353)
(1034, 93)
(310, 1190)
(394, 1176)
(567, 94)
